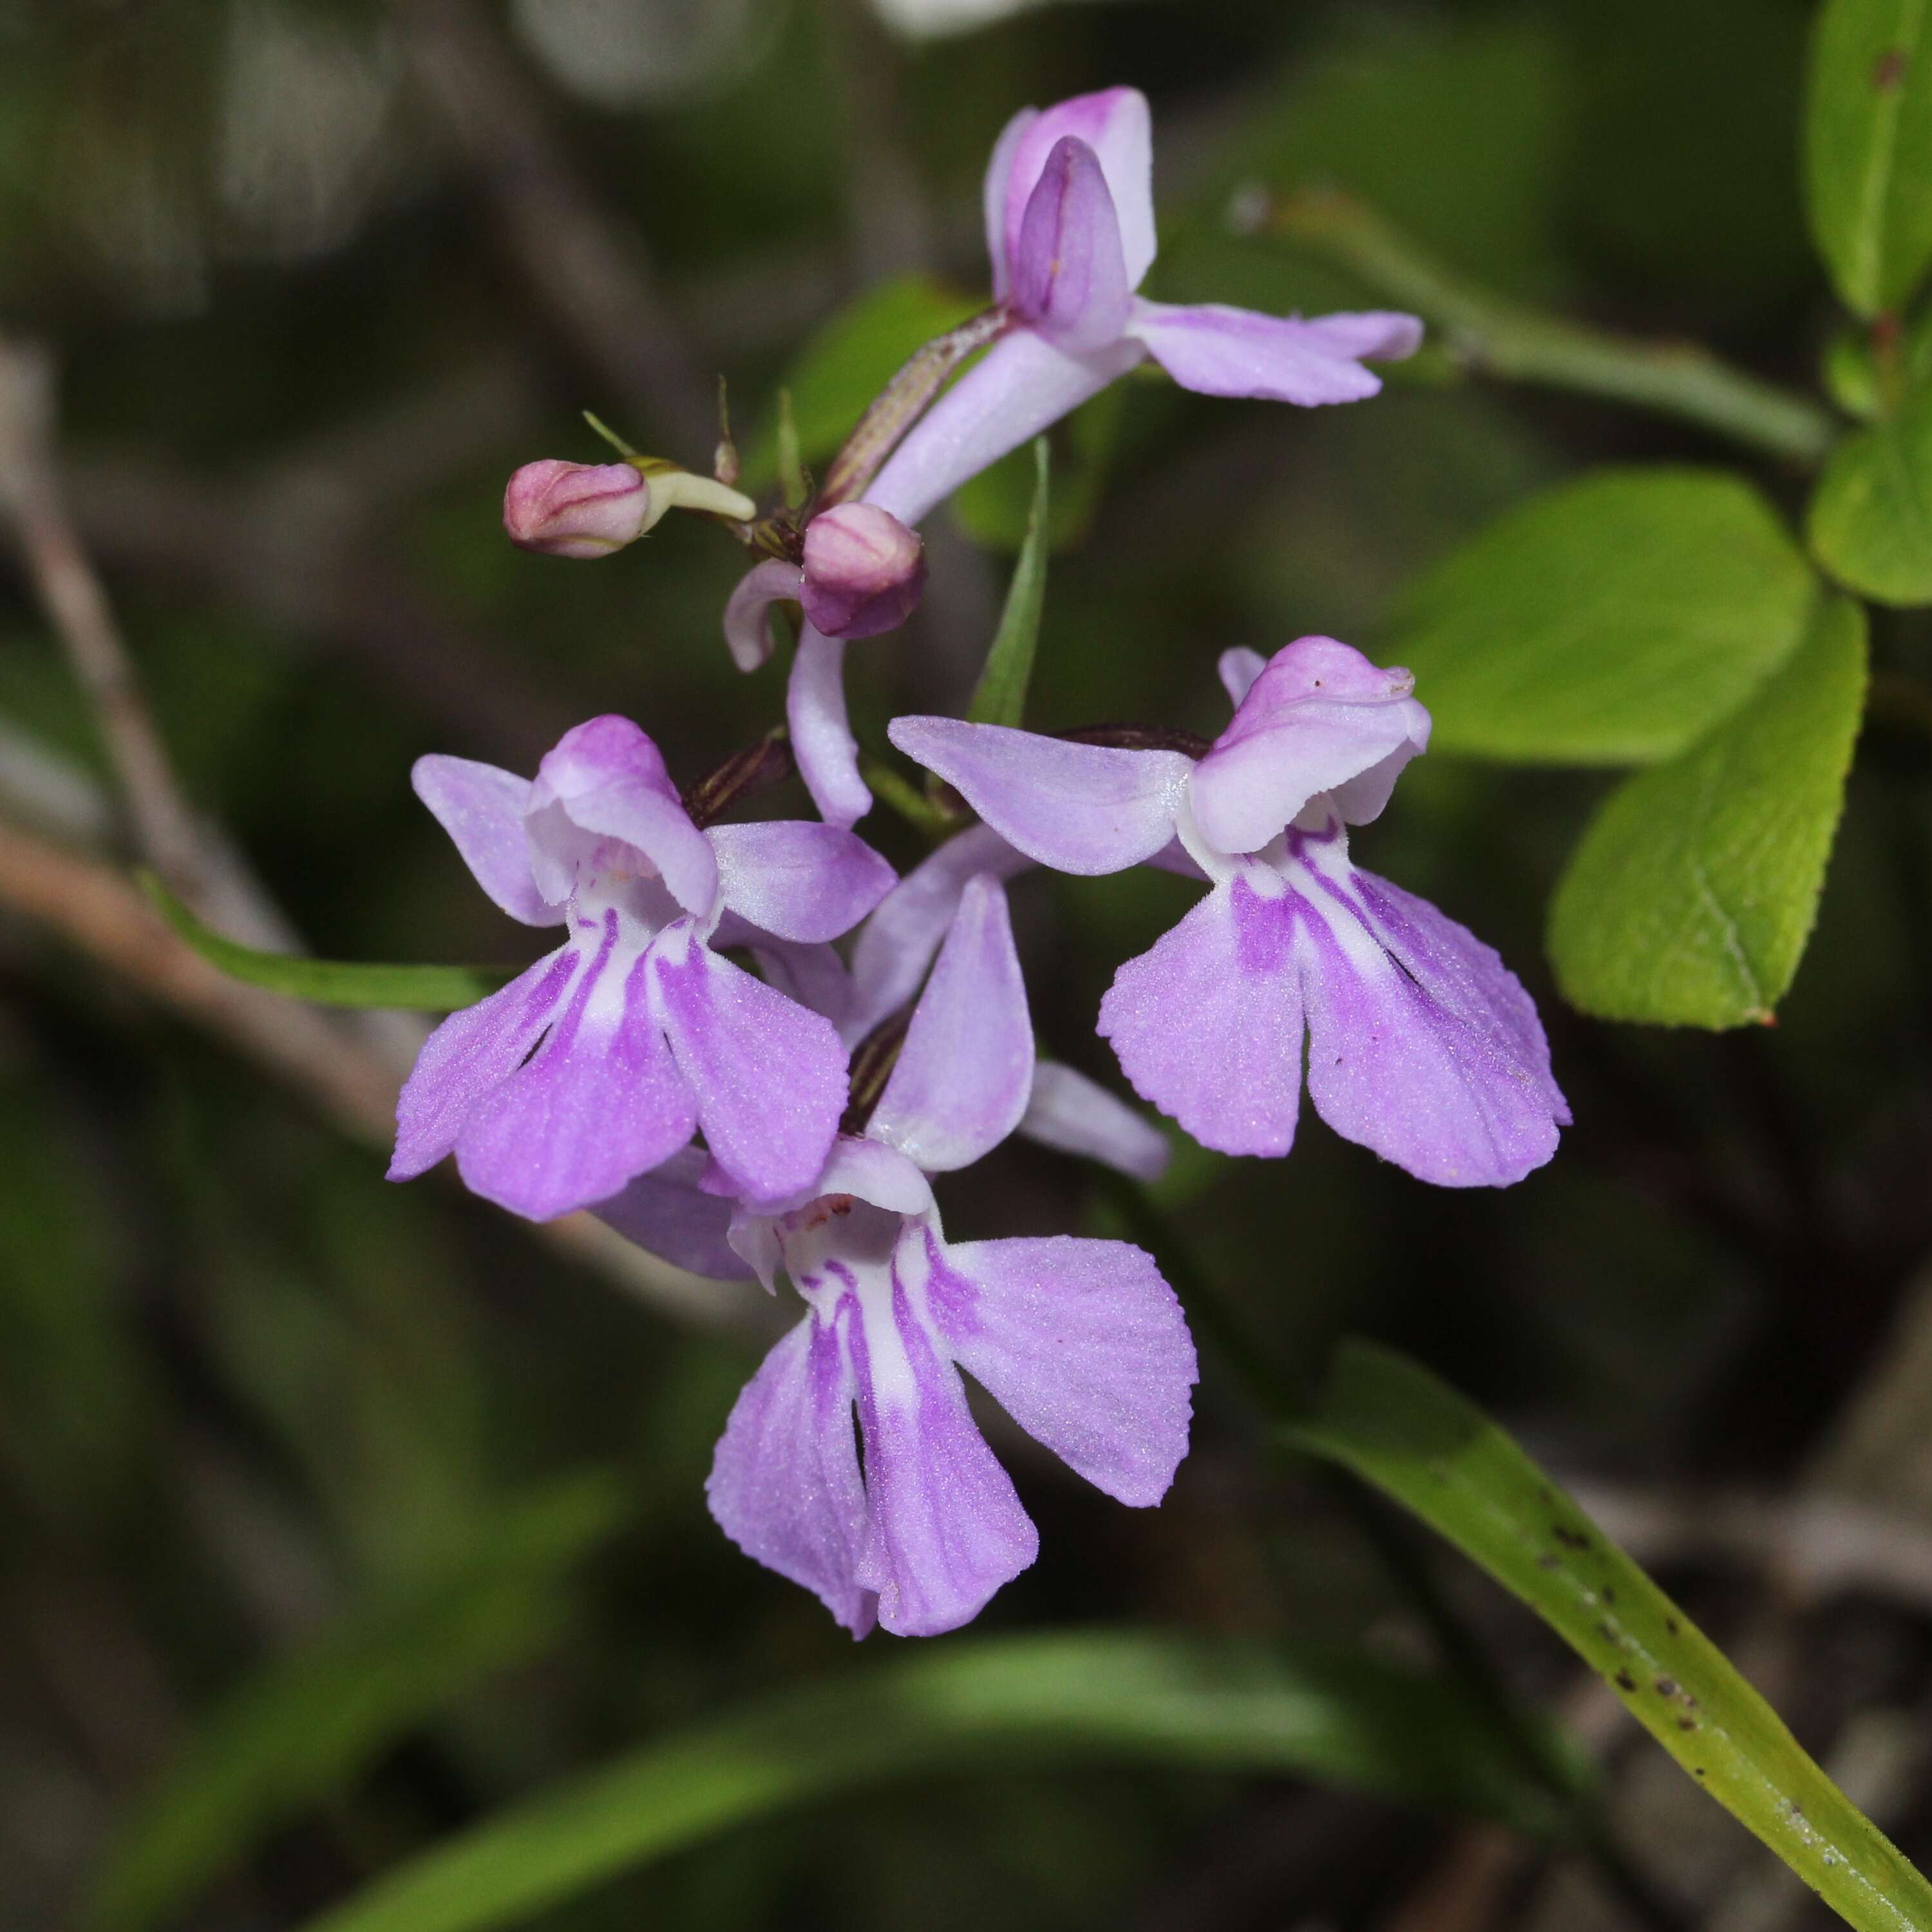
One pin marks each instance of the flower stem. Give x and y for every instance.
(1490, 334)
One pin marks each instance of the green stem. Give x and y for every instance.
(1488, 333)
(902, 796)
(1278, 1392)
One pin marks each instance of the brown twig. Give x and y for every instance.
(97, 909)
(587, 269)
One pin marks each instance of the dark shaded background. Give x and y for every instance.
(312, 298)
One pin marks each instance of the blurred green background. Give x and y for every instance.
(309, 311)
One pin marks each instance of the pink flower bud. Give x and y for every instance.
(576, 509)
(864, 571)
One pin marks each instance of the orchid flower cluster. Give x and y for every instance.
(789, 1115)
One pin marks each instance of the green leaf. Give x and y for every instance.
(1001, 698)
(1612, 620)
(306, 1726)
(1396, 1426)
(1868, 148)
(1871, 519)
(329, 983)
(1690, 896)
(791, 463)
(1071, 1698)
(849, 360)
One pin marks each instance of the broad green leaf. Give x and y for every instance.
(849, 360)
(1612, 620)
(1076, 1698)
(1868, 148)
(329, 983)
(1871, 519)
(306, 1726)
(1416, 1439)
(1689, 898)
(1001, 698)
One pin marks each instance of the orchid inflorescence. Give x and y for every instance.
(742, 1123)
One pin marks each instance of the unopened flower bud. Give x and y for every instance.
(589, 509)
(576, 509)
(864, 571)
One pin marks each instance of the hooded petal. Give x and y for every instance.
(963, 1077)
(1077, 808)
(993, 195)
(472, 1052)
(1208, 1024)
(784, 1484)
(798, 880)
(1021, 386)
(667, 1213)
(481, 808)
(607, 778)
(1070, 279)
(1115, 124)
(1083, 1344)
(599, 1101)
(1320, 717)
(747, 611)
(815, 975)
(769, 1077)
(897, 942)
(1423, 1044)
(1068, 1111)
(1235, 351)
(821, 739)
(946, 1529)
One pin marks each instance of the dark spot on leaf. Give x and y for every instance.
(1686, 1723)
(1888, 73)
(1547, 1561)
(1608, 1633)
(1666, 1687)
(1670, 1625)
(1610, 1595)
(1697, 1771)
(1625, 1682)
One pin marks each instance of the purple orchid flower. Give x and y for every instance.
(600, 1061)
(1422, 1045)
(1082, 1342)
(1070, 229)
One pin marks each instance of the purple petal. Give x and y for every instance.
(470, 1053)
(964, 1076)
(666, 1213)
(872, 1172)
(1070, 279)
(1077, 808)
(815, 975)
(1238, 670)
(1115, 125)
(599, 1102)
(607, 778)
(1021, 386)
(821, 739)
(1235, 351)
(1075, 1114)
(784, 1484)
(899, 941)
(1083, 1344)
(769, 1077)
(946, 1529)
(1208, 1025)
(1423, 1044)
(1320, 717)
(747, 613)
(798, 880)
(993, 195)
(481, 808)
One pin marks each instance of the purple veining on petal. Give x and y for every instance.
(598, 1102)
(947, 1528)
(469, 1053)
(1083, 1343)
(1207, 1024)
(769, 1077)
